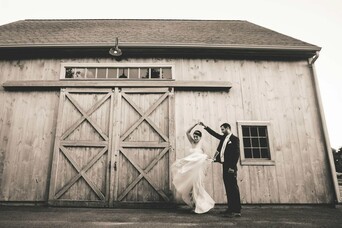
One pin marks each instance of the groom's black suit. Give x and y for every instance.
(231, 157)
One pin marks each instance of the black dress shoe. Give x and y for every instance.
(227, 211)
(234, 215)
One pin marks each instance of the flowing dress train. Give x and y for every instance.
(188, 176)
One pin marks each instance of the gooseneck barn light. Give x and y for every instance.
(115, 51)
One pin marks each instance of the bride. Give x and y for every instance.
(188, 175)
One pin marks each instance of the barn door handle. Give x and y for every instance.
(110, 166)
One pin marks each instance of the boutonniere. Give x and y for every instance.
(230, 142)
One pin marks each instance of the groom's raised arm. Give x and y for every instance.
(212, 132)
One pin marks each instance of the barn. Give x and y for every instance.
(94, 112)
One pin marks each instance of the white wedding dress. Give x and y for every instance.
(188, 176)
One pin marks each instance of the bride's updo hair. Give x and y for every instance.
(198, 133)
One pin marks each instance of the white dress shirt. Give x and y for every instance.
(224, 145)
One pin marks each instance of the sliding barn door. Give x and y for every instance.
(145, 139)
(112, 146)
(80, 169)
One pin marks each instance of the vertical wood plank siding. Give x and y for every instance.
(275, 91)
(27, 128)
(280, 92)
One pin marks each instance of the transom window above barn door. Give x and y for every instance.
(255, 145)
(103, 72)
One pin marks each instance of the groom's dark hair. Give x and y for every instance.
(225, 125)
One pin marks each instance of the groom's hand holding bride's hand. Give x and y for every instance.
(202, 124)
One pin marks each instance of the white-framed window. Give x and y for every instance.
(89, 71)
(255, 143)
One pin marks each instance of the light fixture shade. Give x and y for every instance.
(115, 51)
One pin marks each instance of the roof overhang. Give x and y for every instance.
(130, 50)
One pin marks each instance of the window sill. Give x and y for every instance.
(118, 79)
(257, 162)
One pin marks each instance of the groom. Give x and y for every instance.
(228, 153)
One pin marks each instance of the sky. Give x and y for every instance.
(317, 22)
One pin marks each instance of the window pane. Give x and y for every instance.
(112, 72)
(263, 142)
(248, 153)
(123, 72)
(69, 72)
(144, 73)
(166, 74)
(262, 131)
(91, 72)
(80, 73)
(254, 131)
(133, 73)
(264, 153)
(245, 131)
(246, 142)
(101, 72)
(155, 72)
(256, 153)
(255, 142)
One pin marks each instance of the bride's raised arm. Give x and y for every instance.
(191, 140)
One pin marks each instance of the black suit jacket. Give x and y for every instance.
(232, 151)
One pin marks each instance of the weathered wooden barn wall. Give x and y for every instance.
(27, 128)
(280, 92)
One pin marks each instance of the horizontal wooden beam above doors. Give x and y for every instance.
(56, 84)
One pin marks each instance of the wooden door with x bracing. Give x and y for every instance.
(143, 155)
(80, 168)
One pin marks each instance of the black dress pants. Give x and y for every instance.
(232, 190)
